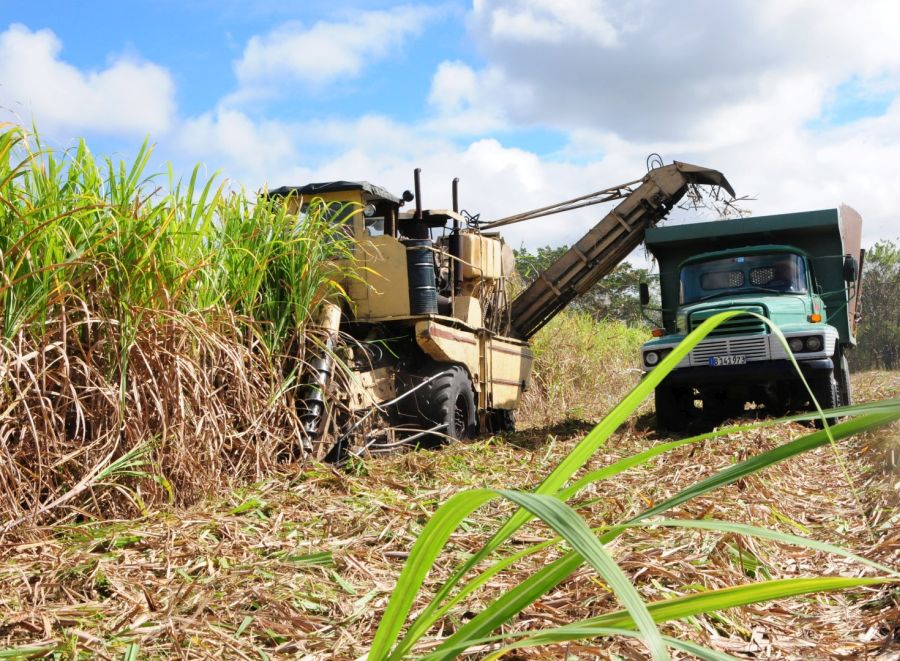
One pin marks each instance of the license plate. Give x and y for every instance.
(721, 361)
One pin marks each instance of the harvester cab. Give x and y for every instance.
(447, 267)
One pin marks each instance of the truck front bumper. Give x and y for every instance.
(751, 373)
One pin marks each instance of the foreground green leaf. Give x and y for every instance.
(520, 596)
(675, 609)
(556, 514)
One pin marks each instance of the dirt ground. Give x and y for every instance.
(302, 565)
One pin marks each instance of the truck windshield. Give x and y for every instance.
(776, 273)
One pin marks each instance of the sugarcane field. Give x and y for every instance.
(505, 330)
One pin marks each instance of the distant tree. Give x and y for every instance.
(615, 296)
(878, 334)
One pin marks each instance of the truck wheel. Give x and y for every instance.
(825, 388)
(843, 378)
(717, 406)
(672, 413)
(449, 400)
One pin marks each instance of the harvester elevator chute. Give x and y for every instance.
(610, 241)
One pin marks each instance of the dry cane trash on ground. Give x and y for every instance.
(301, 565)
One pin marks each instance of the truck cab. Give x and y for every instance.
(806, 285)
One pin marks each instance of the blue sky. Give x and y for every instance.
(527, 101)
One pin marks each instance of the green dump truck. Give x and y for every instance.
(800, 270)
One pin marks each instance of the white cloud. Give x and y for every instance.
(647, 70)
(468, 102)
(127, 97)
(746, 87)
(251, 153)
(328, 50)
(495, 180)
(453, 87)
(551, 21)
(788, 169)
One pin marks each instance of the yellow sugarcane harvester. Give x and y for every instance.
(429, 343)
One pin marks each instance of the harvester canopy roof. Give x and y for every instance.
(311, 190)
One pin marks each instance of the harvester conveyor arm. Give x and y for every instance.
(610, 241)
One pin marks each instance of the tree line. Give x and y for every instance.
(615, 296)
(878, 333)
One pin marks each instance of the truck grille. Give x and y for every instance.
(743, 324)
(755, 348)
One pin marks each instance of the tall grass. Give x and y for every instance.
(549, 503)
(141, 311)
(581, 365)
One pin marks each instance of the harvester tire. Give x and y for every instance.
(502, 421)
(449, 400)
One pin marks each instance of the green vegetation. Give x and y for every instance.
(152, 330)
(582, 366)
(879, 328)
(547, 502)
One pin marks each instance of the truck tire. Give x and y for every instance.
(825, 389)
(718, 407)
(449, 400)
(672, 413)
(845, 388)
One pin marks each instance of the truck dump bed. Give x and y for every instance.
(598, 252)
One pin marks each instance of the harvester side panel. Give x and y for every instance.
(598, 252)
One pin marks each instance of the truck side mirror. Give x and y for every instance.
(851, 268)
(644, 289)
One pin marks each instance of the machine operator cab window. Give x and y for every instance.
(743, 274)
(334, 213)
(362, 209)
(372, 223)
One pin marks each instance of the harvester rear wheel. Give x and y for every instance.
(449, 401)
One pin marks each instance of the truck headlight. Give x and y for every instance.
(796, 344)
(651, 358)
(813, 343)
